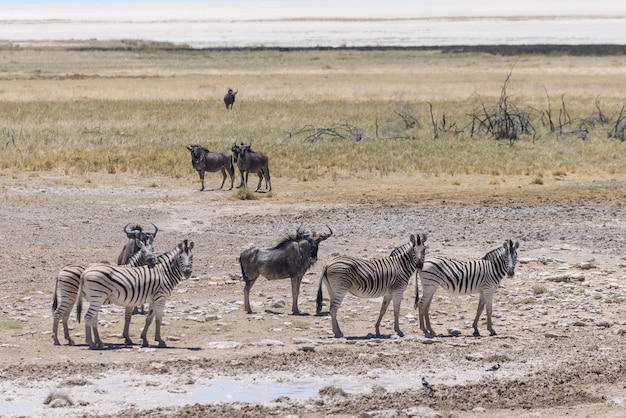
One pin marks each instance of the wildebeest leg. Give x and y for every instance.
(128, 313)
(246, 290)
(295, 291)
(260, 174)
(201, 174)
(223, 177)
(383, 309)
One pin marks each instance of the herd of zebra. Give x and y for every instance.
(142, 277)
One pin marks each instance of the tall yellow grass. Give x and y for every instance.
(97, 110)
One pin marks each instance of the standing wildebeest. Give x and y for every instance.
(250, 161)
(292, 257)
(204, 160)
(229, 98)
(134, 234)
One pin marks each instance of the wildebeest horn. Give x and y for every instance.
(153, 234)
(325, 236)
(132, 233)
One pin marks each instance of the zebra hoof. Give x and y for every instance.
(492, 333)
(428, 335)
(476, 334)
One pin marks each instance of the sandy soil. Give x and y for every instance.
(561, 320)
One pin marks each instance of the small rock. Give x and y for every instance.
(479, 410)
(224, 345)
(386, 413)
(421, 412)
(474, 357)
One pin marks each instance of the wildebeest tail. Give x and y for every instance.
(55, 302)
(417, 291)
(320, 298)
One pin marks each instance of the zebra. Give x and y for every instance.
(130, 286)
(368, 278)
(476, 276)
(68, 282)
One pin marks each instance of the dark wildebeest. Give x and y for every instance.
(249, 161)
(290, 258)
(136, 233)
(229, 98)
(204, 160)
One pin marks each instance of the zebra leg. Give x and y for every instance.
(144, 333)
(396, 313)
(489, 303)
(295, 291)
(66, 331)
(127, 316)
(157, 311)
(424, 307)
(335, 303)
(383, 309)
(91, 324)
(481, 306)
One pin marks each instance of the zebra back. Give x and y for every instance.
(374, 277)
(466, 277)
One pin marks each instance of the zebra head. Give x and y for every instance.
(419, 246)
(510, 256)
(185, 258)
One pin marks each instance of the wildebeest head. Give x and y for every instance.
(197, 152)
(137, 235)
(314, 240)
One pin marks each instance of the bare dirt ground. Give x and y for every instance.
(561, 321)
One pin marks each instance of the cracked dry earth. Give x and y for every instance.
(561, 321)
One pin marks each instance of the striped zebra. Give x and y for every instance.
(68, 282)
(470, 277)
(131, 286)
(369, 278)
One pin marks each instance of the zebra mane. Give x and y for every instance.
(494, 254)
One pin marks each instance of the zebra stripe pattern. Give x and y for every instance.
(369, 278)
(66, 292)
(131, 286)
(458, 277)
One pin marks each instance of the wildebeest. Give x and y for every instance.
(249, 161)
(134, 234)
(229, 98)
(290, 258)
(204, 160)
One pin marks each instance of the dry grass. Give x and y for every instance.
(84, 111)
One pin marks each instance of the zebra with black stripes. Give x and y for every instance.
(369, 278)
(466, 277)
(67, 284)
(131, 286)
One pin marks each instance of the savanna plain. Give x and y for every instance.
(377, 145)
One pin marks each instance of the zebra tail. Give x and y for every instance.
(320, 298)
(79, 302)
(55, 302)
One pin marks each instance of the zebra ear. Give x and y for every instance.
(516, 245)
(190, 246)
